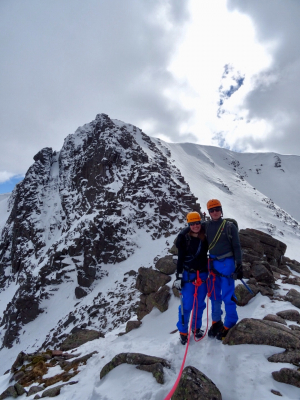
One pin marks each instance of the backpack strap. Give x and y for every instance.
(217, 236)
(229, 230)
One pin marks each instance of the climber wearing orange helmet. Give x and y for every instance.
(225, 259)
(192, 249)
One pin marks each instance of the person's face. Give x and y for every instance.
(215, 213)
(195, 226)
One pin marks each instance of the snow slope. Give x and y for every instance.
(267, 200)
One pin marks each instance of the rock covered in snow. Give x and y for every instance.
(80, 209)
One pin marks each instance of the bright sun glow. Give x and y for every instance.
(215, 38)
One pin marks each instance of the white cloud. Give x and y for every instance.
(274, 98)
(63, 62)
(216, 38)
(5, 176)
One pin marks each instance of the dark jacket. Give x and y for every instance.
(224, 245)
(187, 248)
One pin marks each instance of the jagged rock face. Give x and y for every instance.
(82, 207)
(257, 244)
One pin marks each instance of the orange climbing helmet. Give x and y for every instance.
(193, 216)
(213, 203)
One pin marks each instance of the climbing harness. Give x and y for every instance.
(214, 273)
(198, 282)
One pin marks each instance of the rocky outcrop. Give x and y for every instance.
(155, 292)
(294, 297)
(132, 325)
(144, 362)
(287, 375)
(149, 280)
(263, 264)
(293, 264)
(257, 245)
(272, 331)
(288, 356)
(290, 315)
(79, 337)
(166, 265)
(29, 370)
(254, 331)
(275, 318)
(194, 384)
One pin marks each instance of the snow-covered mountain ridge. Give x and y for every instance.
(112, 200)
(80, 210)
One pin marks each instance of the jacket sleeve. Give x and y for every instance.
(236, 245)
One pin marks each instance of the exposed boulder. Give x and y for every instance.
(194, 384)
(287, 375)
(80, 292)
(276, 392)
(293, 264)
(254, 331)
(155, 292)
(243, 295)
(34, 390)
(292, 281)
(294, 297)
(149, 280)
(290, 315)
(55, 391)
(132, 325)
(79, 337)
(160, 299)
(261, 273)
(144, 362)
(19, 389)
(8, 393)
(257, 244)
(294, 327)
(274, 318)
(288, 356)
(166, 265)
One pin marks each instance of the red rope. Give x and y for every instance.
(211, 282)
(170, 394)
(198, 283)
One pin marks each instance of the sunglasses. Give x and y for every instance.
(194, 223)
(211, 210)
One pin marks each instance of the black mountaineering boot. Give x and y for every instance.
(222, 333)
(215, 329)
(199, 333)
(183, 338)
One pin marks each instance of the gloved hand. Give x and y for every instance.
(238, 273)
(178, 283)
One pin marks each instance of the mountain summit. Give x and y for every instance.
(84, 206)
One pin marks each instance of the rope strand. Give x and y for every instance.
(198, 280)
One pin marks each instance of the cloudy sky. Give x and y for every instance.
(219, 72)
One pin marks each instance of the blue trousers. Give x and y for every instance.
(223, 291)
(187, 292)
